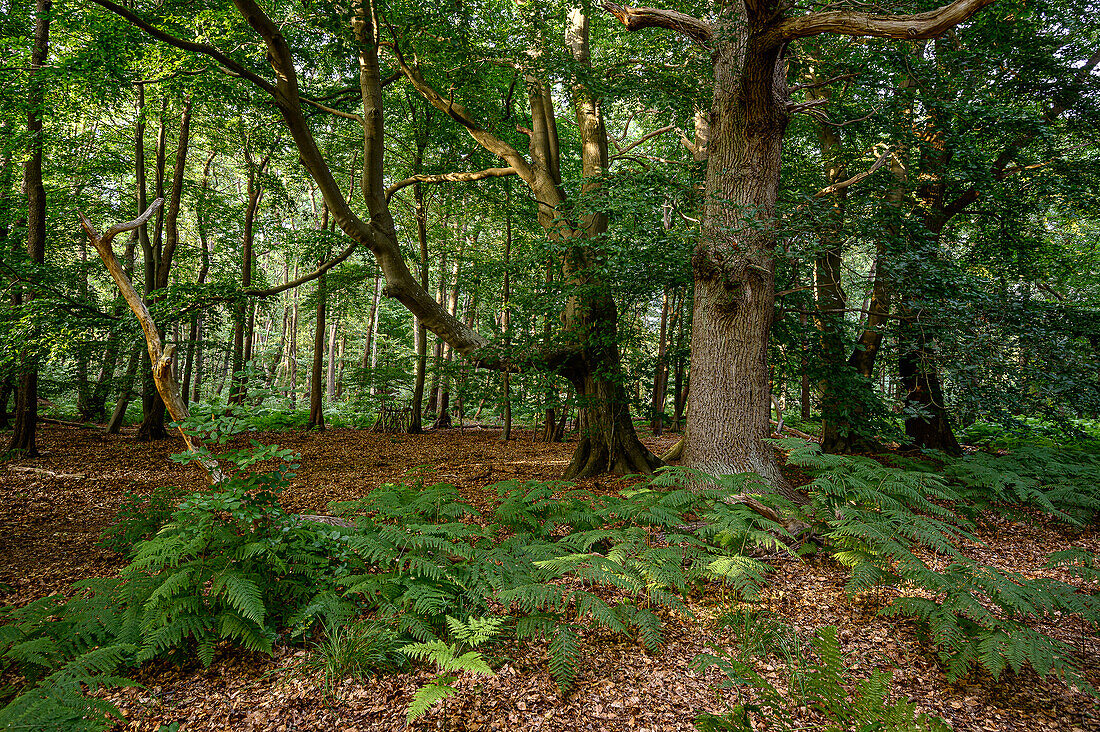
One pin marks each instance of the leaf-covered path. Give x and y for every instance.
(51, 517)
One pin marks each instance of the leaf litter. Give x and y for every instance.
(50, 519)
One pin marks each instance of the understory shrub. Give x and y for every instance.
(355, 649)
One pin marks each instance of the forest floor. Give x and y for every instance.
(49, 524)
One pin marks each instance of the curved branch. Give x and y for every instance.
(325, 267)
(330, 110)
(234, 67)
(461, 177)
(906, 27)
(459, 114)
(855, 178)
(643, 139)
(636, 18)
(111, 233)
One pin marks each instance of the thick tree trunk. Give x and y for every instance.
(26, 410)
(734, 269)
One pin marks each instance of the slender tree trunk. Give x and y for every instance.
(506, 309)
(7, 207)
(330, 369)
(194, 335)
(660, 372)
(26, 410)
(152, 407)
(126, 391)
(837, 383)
(370, 353)
(437, 353)
(5, 395)
(443, 417)
(245, 313)
(419, 330)
(340, 369)
(316, 379)
(292, 353)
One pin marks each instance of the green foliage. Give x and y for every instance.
(1061, 481)
(231, 565)
(140, 517)
(428, 555)
(450, 660)
(355, 650)
(981, 614)
(60, 650)
(882, 522)
(814, 680)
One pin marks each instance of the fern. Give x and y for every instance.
(818, 682)
(450, 661)
(876, 518)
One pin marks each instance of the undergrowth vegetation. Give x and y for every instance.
(412, 573)
(813, 678)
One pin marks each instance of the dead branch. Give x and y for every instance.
(636, 18)
(844, 22)
(48, 473)
(160, 357)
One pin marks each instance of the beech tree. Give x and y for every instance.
(588, 357)
(733, 263)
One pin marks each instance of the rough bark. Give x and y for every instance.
(732, 263)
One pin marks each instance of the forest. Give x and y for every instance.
(728, 365)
